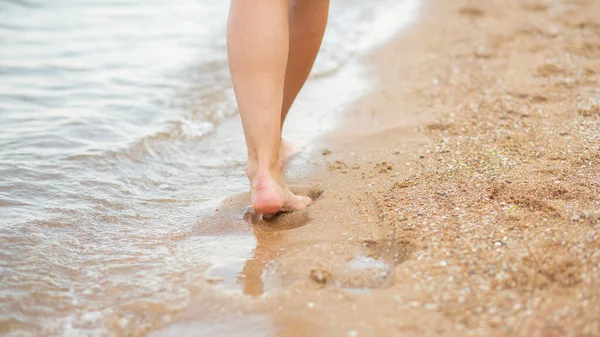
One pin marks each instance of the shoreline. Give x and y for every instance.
(461, 197)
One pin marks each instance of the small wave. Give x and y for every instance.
(6, 202)
(157, 144)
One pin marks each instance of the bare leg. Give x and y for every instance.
(258, 44)
(308, 19)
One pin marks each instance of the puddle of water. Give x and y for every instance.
(227, 256)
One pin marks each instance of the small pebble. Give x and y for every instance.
(326, 152)
(320, 276)
(498, 244)
(575, 218)
(311, 305)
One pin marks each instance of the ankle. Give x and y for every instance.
(255, 170)
(273, 170)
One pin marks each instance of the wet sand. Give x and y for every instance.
(461, 198)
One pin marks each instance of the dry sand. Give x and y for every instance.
(473, 196)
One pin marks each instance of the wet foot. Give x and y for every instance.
(269, 197)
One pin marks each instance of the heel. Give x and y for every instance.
(266, 197)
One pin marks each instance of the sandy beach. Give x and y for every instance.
(461, 198)
(455, 169)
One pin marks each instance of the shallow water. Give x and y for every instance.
(117, 140)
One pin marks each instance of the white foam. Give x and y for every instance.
(390, 18)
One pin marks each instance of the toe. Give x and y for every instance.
(297, 203)
(307, 201)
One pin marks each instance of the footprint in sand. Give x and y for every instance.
(372, 268)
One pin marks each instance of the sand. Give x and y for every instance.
(461, 197)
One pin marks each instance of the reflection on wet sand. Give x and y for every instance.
(251, 276)
(270, 237)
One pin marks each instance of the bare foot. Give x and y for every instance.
(286, 150)
(269, 198)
